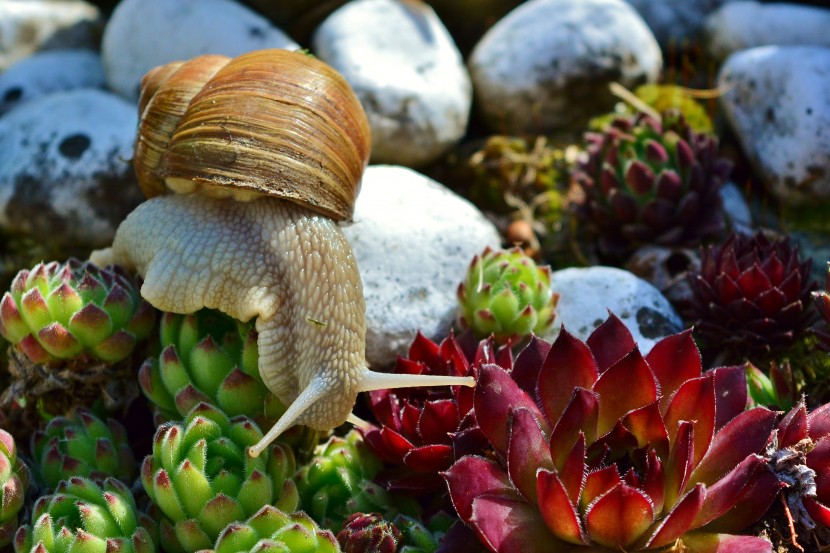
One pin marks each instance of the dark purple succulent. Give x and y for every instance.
(751, 296)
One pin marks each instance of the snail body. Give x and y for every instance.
(249, 164)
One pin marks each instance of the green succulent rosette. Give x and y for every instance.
(506, 295)
(201, 478)
(85, 517)
(208, 357)
(74, 311)
(338, 482)
(270, 530)
(14, 481)
(82, 444)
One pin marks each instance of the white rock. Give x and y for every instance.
(407, 72)
(675, 22)
(546, 66)
(30, 25)
(65, 171)
(587, 294)
(413, 239)
(776, 101)
(142, 34)
(49, 71)
(741, 25)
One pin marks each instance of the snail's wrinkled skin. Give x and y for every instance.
(289, 267)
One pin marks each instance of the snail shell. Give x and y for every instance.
(270, 122)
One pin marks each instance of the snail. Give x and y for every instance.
(249, 165)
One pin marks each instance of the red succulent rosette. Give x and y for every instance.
(597, 447)
(751, 295)
(416, 425)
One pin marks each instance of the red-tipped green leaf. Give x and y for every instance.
(568, 365)
(817, 511)
(674, 360)
(527, 452)
(679, 465)
(819, 422)
(438, 419)
(619, 518)
(496, 394)
(473, 476)
(610, 342)
(557, 511)
(580, 416)
(793, 427)
(680, 519)
(730, 394)
(627, 385)
(724, 494)
(724, 543)
(509, 525)
(694, 400)
(529, 363)
(819, 460)
(647, 426)
(572, 473)
(429, 458)
(742, 436)
(598, 483)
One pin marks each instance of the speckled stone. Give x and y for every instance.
(65, 172)
(407, 72)
(413, 239)
(142, 34)
(741, 25)
(27, 26)
(777, 103)
(546, 65)
(49, 71)
(587, 294)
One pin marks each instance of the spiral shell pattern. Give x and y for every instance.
(270, 122)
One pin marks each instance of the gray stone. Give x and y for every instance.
(413, 239)
(741, 25)
(777, 101)
(50, 71)
(407, 72)
(65, 172)
(27, 26)
(546, 66)
(735, 208)
(675, 23)
(142, 34)
(587, 294)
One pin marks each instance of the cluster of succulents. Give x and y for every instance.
(71, 328)
(506, 295)
(202, 479)
(648, 181)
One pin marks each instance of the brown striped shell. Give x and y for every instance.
(270, 122)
